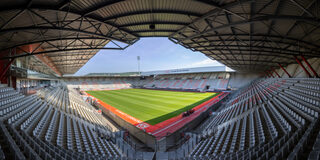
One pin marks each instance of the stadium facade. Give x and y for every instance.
(266, 108)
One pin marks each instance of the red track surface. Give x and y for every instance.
(168, 126)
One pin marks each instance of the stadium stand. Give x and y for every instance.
(111, 83)
(196, 82)
(61, 126)
(267, 119)
(69, 102)
(270, 119)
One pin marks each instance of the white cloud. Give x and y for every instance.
(204, 63)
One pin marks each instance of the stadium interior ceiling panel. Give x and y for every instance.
(246, 35)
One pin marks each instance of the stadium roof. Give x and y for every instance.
(246, 35)
(189, 70)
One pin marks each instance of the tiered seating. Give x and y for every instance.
(37, 129)
(103, 83)
(266, 120)
(197, 82)
(69, 102)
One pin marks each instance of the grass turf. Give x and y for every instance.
(152, 106)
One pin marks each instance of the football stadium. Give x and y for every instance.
(262, 102)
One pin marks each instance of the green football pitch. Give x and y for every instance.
(152, 106)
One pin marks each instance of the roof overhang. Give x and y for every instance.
(245, 35)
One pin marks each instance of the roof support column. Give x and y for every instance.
(304, 68)
(310, 67)
(284, 70)
(47, 60)
(270, 73)
(266, 74)
(5, 70)
(263, 74)
(274, 70)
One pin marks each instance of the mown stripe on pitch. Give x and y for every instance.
(135, 102)
(136, 111)
(173, 96)
(146, 101)
(164, 101)
(150, 105)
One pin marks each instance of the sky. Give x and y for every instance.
(155, 54)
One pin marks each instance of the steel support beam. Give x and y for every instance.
(274, 70)
(12, 19)
(216, 5)
(270, 72)
(246, 60)
(267, 74)
(47, 61)
(30, 28)
(62, 50)
(64, 4)
(101, 6)
(246, 40)
(253, 20)
(156, 22)
(243, 47)
(153, 12)
(284, 70)
(5, 70)
(252, 54)
(210, 13)
(80, 15)
(304, 68)
(72, 54)
(160, 30)
(49, 40)
(310, 67)
(301, 7)
(70, 61)
(258, 35)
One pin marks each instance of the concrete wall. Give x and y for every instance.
(146, 138)
(238, 80)
(295, 70)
